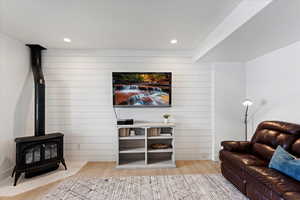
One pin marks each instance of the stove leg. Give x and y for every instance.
(64, 164)
(13, 173)
(17, 176)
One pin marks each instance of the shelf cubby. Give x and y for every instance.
(163, 159)
(136, 160)
(167, 141)
(132, 146)
(125, 132)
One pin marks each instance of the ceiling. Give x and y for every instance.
(274, 27)
(113, 24)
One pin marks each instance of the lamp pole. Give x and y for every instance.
(246, 122)
(246, 103)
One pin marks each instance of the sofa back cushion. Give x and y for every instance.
(270, 134)
(296, 148)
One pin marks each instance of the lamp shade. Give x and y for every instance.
(247, 102)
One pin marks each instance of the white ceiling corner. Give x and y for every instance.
(239, 16)
(277, 26)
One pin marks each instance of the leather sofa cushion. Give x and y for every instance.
(273, 138)
(292, 196)
(270, 134)
(236, 146)
(296, 148)
(284, 127)
(263, 151)
(240, 159)
(266, 141)
(273, 179)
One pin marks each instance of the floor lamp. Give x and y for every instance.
(246, 103)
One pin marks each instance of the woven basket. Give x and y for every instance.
(160, 146)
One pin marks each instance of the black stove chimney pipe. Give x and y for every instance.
(39, 85)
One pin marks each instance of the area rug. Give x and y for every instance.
(174, 187)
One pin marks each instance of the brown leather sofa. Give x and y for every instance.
(245, 164)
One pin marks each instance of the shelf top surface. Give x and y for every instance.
(147, 125)
(133, 150)
(159, 137)
(132, 137)
(168, 150)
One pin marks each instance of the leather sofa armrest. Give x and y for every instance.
(236, 146)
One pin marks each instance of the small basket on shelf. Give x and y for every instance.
(160, 146)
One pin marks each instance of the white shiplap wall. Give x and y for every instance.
(79, 100)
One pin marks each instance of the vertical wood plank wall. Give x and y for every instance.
(79, 101)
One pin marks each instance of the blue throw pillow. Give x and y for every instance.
(285, 163)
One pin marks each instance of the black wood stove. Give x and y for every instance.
(42, 152)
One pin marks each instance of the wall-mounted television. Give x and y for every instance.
(142, 89)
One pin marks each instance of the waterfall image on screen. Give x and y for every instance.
(142, 89)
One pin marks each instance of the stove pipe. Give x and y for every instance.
(39, 85)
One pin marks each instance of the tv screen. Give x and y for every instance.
(142, 89)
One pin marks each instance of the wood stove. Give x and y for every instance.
(38, 154)
(42, 152)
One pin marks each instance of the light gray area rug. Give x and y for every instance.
(174, 187)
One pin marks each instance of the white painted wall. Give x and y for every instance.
(79, 100)
(229, 93)
(16, 94)
(273, 84)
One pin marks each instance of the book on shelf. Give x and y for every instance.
(153, 132)
(124, 132)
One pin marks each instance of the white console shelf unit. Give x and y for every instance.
(136, 152)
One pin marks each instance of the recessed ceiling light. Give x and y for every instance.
(67, 40)
(174, 41)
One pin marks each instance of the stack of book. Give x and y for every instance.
(124, 132)
(154, 132)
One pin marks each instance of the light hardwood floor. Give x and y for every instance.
(107, 169)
